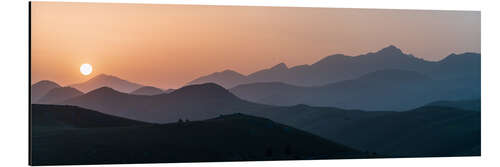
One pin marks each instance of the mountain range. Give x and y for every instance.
(339, 67)
(205, 101)
(424, 108)
(389, 89)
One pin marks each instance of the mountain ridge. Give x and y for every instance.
(344, 68)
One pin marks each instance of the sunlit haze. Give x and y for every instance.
(169, 45)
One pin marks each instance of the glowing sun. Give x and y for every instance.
(86, 69)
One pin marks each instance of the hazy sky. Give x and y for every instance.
(169, 45)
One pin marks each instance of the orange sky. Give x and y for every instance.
(169, 45)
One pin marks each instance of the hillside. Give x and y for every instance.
(59, 94)
(41, 88)
(235, 137)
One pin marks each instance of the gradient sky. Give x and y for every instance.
(169, 45)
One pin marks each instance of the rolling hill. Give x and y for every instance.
(41, 88)
(147, 90)
(194, 102)
(235, 137)
(56, 116)
(59, 94)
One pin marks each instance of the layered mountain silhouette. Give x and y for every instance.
(340, 67)
(199, 102)
(59, 94)
(103, 80)
(41, 88)
(389, 89)
(194, 102)
(323, 110)
(148, 90)
(232, 137)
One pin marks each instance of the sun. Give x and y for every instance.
(86, 69)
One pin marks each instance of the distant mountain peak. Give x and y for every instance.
(105, 80)
(47, 82)
(333, 58)
(462, 55)
(229, 72)
(104, 77)
(390, 50)
(279, 66)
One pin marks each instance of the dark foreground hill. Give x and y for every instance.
(48, 116)
(422, 132)
(474, 105)
(225, 138)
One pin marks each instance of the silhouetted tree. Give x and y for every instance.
(180, 121)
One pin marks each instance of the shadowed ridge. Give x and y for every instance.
(390, 50)
(464, 57)
(39, 89)
(147, 90)
(395, 75)
(59, 94)
(203, 90)
(226, 78)
(76, 117)
(46, 83)
(279, 66)
(336, 58)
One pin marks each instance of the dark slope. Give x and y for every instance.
(194, 102)
(426, 131)
(103, 80)
(147, 90)
(55, 116)
(389, 89)
(226, 138)
(474, 105)
(59, 94)
(41, 88)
